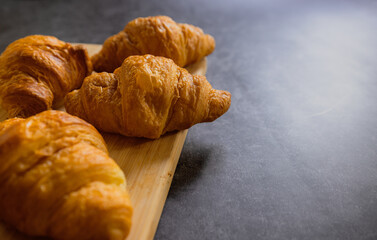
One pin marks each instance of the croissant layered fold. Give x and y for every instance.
(37, 71)
(57, 180)
(159, 36)
(146, 97)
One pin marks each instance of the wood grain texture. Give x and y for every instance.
(149, 167)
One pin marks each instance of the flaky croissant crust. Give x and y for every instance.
(159, 36)
(146, 97)
(37, 71)
(57, 180)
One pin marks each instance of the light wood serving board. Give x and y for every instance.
(149, 167)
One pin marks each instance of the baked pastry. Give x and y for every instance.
(37, 71)
(146, 97)
(159, 36)
(57, 180)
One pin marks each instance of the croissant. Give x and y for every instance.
(57, 180)
(37, 71)
(146, 97)
(159, 36)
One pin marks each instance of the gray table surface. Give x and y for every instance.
(295, 157)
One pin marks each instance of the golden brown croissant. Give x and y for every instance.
(57, 180)
(146, 97)
(37, 70)
(159, 36)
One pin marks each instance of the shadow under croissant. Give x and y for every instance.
(192, 161)
(132, 153)
(124, 141)
(194, 158)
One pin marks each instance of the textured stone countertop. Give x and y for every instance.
(295, 157)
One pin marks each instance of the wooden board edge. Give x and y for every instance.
(164, 193)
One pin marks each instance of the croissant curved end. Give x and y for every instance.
(211, 44)
(219, 104)
(73, 107)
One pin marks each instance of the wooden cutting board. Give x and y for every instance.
(149, 167)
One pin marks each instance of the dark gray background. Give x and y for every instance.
(295, 157)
